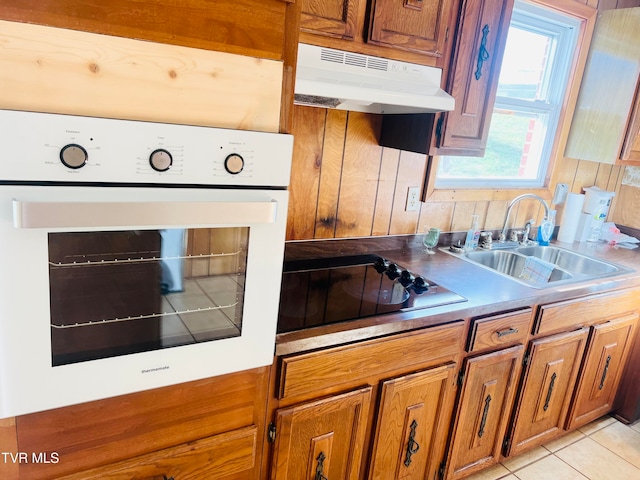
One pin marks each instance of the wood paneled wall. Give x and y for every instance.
(345, 185)
(628, 207)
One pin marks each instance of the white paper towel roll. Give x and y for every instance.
(570, 217)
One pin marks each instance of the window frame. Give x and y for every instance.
(586, 17)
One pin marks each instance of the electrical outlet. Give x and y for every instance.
(413, 199)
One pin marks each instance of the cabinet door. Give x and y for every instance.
(604, 362)
(485, 404)
(548, 382)
(631, 145)
(324, 438)
(473, 78)
(412, 426)
(334, 18)
(413, 25)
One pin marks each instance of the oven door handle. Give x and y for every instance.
(140, 214)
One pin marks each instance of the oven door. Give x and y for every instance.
(110, 290)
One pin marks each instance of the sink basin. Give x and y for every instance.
(560, 266)
(510, 263)
(570, 261)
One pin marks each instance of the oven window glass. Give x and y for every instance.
(117, 293)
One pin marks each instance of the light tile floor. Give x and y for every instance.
(605, 449)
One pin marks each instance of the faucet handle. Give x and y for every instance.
(486, 239)
(515, 234)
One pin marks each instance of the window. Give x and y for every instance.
(531, 88)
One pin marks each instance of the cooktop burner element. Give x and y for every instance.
(330, 290)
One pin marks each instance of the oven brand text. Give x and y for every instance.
(157, 369)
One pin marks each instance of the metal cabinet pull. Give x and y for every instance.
(508, 331)
(320, 467)
(551, 384)
(483, 53)
(412, 445)
(604, 372)
(164, 477)
(483, 422)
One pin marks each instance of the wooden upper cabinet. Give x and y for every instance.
(606, 356)
(415, 31)
(322, 438)
(548, 383)
(413, 421)
(473, 76)
(486, 399)
(414, 25)
(333, 18)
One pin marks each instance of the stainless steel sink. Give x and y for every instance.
(561, 266)
(570, 261)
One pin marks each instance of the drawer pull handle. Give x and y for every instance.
(508, 331)
(483, 422)
(164, 477)
(320, 467)
(412, 445)
(483, 53)
(551, 384)
(604, 373)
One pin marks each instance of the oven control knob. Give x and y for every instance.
(234, 164)
(73, 156)
(160, 160)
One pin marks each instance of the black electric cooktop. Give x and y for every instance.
(330, 290)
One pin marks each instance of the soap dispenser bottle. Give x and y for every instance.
(473, 234)
(545, 230)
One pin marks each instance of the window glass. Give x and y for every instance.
(122, 292)
(531, 89)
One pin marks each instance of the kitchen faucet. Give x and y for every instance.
(503, 232)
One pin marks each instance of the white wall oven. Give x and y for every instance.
(134, 255)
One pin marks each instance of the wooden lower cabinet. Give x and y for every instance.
(553, 365)
(400, 406)
(488, 389)
(607, 352)
(413, 419)
(229, 455)
(200, 430)
(628, 395)
(323, 438)
(377, 409)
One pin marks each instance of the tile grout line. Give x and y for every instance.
(514, 473)
(612, 451)
(571, 466)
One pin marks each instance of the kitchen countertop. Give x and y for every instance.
(486, 292)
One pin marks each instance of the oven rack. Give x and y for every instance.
(89, 263)
(143, 317)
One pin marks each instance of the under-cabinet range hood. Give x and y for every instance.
(331, 78)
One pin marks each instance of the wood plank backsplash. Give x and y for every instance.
(345, 185)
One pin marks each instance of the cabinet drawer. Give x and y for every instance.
(214, 457)
(340, 367)
(500, 330)
(580, 312)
